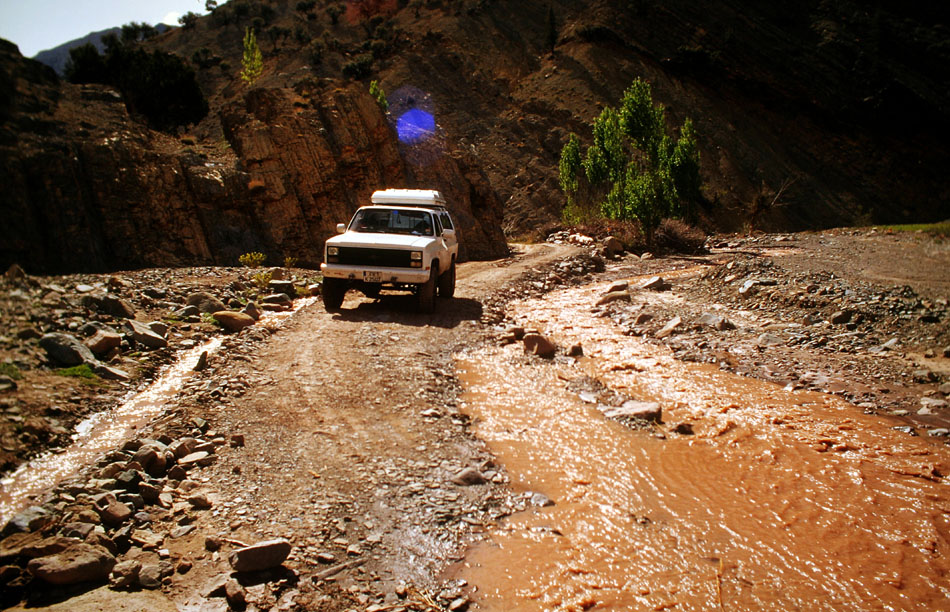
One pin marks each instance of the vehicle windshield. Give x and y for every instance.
(392, 221)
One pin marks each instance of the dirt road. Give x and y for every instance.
(382, 443)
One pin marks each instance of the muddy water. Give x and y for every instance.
(779, 501)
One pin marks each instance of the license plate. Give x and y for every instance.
(373, 277)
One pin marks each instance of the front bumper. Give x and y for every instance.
(414, 276)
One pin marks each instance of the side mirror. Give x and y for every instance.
(448, 233)
(340, 228)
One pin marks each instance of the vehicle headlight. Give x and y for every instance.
(415, 259)
(332, 250)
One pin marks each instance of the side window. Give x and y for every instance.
(446, 221)
(438, 225)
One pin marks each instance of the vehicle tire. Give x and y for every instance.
(426, 292)
(447, 282)
(333, 291)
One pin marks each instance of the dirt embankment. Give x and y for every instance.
(348, 436)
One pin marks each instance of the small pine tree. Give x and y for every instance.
(377, 92)
(252, 62)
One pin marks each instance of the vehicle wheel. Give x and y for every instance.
(333, 291)
(447, 282)
(426, 293)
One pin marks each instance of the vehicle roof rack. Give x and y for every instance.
(424, 198)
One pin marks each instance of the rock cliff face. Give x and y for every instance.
(88, 188)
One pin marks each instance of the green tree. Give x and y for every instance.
(684, 169)
(252, 63)
(85, 65)
(605, 158)
(377, 92)
(188, 20)
(569, 166)
(633, 168)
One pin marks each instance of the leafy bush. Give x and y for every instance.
(358, 68)
(253, 259)
(262, 279)
(377, 92)
(315, 52)
(290, 262)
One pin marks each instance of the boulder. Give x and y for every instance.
(668, 329)
(78, 563)
(115, 306)
(715, 321)
(205, 302)
(841, 317)
(281, 299)
(143, 335)
(252, 311)
(235, 594)
(32, 545)
(125, 574)
(115, 513)
(233, 321)
(614, 296)
(468, 477)
(187, 311)
(102, 342)
(656, 284)
(537, 344)
(612, 247)
(66, 350)
(33, 518)
(634, 409)
(108, 372)
(260, 556)
(282, 286)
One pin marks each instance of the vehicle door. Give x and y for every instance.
(452, 240)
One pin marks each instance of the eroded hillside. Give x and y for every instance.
(823, 114)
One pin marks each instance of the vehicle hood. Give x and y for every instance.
(381, 241)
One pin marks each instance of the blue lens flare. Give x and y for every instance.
(414, 126)
(413, 116)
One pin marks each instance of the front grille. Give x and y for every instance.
(387, 258)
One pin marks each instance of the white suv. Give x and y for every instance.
(405, 240)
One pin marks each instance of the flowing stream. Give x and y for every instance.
(104, 431)
(778, 500)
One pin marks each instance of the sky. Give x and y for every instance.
(37, 25)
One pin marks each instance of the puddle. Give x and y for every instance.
(106, 430)
(779, 501)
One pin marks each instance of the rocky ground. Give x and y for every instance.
(322, 462)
